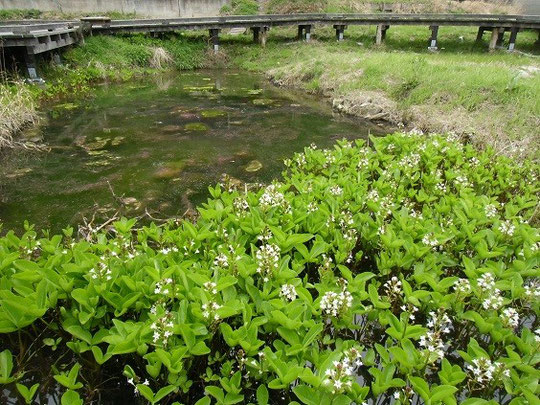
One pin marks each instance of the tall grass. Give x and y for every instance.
(17, 110)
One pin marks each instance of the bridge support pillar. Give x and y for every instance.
(480, 34)
(304, 32)
(500, 37)
(214, 39)
(494, 39)
(380, 36)
(260, 35)
(31, 65)
(340, 30)
(513, 36)
(433, 40)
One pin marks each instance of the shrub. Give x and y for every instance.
(405, 271)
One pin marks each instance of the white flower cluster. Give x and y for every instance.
(462, 286)
(210, 310)
(430, 240)
(490, 210)
(221, 260)
(211, 287)
(336, 304)
(492, 295)
(474, 161)
(312, 207)
(164, 286)
(439, 324)
(510, 317)
(363, 163)
(240, 204)
(267, 260)
(410, 161)
(462, 181)
(532, 291)
(393, 288)
(342, 374)
(441, 186)
(166, 250)
(272, 197)
(329, 158)
(326, 264)
(288, 292)
(411, 309)
(163, 329)
(336, 190)
(507, 228)
(483, 371)
(103, 271)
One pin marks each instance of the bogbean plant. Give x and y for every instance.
(405, 271)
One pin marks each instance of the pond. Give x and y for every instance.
(155, 145)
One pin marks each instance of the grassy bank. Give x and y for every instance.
(239, 7)
(18, 109)
(492, 97)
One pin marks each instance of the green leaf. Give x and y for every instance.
(262, 395)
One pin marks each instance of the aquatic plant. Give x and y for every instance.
(402, 271)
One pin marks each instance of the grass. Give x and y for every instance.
(18, 109)
(33, 14)
(493, 97)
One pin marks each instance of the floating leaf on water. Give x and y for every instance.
(171, 128)
(254, 166)
(255, 92)
(169, 170)
(98, 143)
(212, 113)
(195, 126)
(117, 140)
(263, 101)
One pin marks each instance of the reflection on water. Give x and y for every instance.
(160, 143)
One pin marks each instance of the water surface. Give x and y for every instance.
(158, 143)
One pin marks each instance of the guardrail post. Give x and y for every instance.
(494, 38)
(480, 34)
(214, 39)
(513, 36)
(433, 40)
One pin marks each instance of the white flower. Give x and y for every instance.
(462, 286)
(486, 282)
(267, 260)
(288, 292)
(240, 204)
(490, 210)
(211, 287)
(507, 228)
(336, 190)
(483, 371)
(221, 260)
(335, 304)
(493, 300)
(272, 197)
(393, 286)
(510, 317)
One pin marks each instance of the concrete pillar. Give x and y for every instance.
(513, 37)
(256, 31)
(57, 59)
(31, 65)
(433, 40)
(340, 30)
(379, 34)
(264, 36)
(308, 32)
(500, 37)
(480, 34)
(300, 32)
(494, 37)
(214, 39)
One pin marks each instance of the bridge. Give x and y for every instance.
(43, 36)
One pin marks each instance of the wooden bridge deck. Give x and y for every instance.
(42, 36)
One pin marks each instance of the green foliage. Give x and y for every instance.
(18, 14)
(241, 7)
(407, 269)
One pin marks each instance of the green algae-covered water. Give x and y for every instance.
(158, 143)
